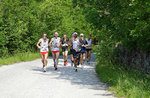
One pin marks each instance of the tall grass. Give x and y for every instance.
(27, 56)
(125, 82)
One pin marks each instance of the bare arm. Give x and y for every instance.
(50, 44)
(59, 43)
(81, 41)
(70, 42)
(38, 44)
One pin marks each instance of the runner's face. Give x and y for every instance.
(75, 35)
(81, 37)
(65, 36)
(89, 36)
(56, 34)
(44, 36)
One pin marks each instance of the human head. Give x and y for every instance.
(75, 34)
(81, 36)
(56, 34)
(44, 36)
(65, 36)
(89, 36)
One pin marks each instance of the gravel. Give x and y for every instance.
(26, 80)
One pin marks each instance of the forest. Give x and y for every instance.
(22, 22)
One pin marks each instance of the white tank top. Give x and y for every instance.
(55, 41)
(44, 45)
(75, 44)
(89, 43)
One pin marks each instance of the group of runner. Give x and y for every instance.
(79, 49)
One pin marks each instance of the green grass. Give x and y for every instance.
(19, 57)
(124, 82)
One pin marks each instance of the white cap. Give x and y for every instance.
(81, 34)
(75, 33)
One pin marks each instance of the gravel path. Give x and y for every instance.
(26, 80)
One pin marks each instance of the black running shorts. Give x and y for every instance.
(64, 49)
(76, 54)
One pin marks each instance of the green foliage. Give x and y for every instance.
(124, 82)
(121, 21)
(22, 23)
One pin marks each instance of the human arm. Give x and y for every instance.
(38, 44)
(50, 43)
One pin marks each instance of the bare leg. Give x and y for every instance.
(72, 59)
(75, 64)
(81, 56)
(54, 57)
(46, 56)
(89, 56)
(42, 56)
(57, 58)
(63, 55)
(66, 54)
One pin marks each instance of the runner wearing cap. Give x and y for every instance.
(89, 48)
(55, 46)
(76, 44)
(64, 44)
(83, 50)
(43, 50)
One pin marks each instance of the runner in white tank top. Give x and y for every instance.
(89, 43)
(44, 46)
(76, 44)
(55, 46)
(89, 48)
(43, 50)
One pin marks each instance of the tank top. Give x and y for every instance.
(84, 43)
(65, 42)
(89, 43)
(55, 41)
(44, 45)
(75, 45)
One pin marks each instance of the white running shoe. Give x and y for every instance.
(44, 69)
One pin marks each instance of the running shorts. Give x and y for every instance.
(88, 49)
(76, 54)
(71, 51)
(54, 52)
(43, 53)
(64, 49)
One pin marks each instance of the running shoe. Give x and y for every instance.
(76, 70)
(66, 63)
(44, 69)
(56, 68)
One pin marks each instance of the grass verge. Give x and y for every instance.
(125, 82)
(19, 57)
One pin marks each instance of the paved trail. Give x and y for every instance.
(26, 80)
